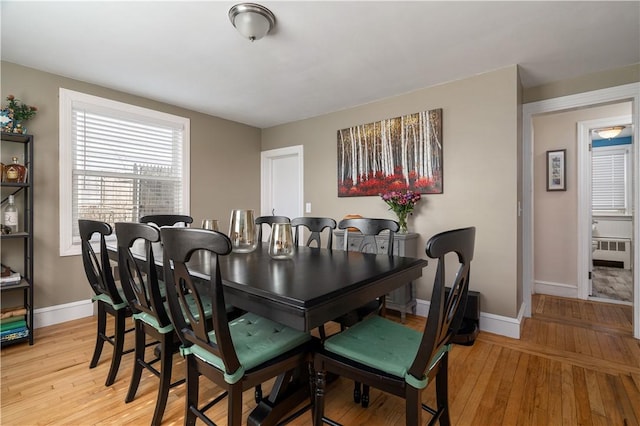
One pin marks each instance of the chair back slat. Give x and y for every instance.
(369, 228)
(97, 266)
(140, 279)
(315, 225)
(446, 310)
(161, 220)
(269, 220)
(189, 320)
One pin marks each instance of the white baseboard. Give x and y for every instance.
(491, 323)
(61, 313)
(555, 289)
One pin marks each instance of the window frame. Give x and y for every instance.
(70, 246)
(625, 150)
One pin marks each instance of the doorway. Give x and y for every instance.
(607, 240)
(282, 182)
(629, 92)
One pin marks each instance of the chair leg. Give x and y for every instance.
(138, 361)
(100, 335)
(413, 407)
(442, 391)
(118, 346)
(365, 396)
(166, 361)
(258, 394)
(323, 333)
(193, 378)
(357, 394)
(312, 382)
(234, 405)
(318, 406)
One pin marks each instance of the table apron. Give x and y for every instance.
(279, 312)
(331, 309)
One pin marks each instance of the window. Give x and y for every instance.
(611, 180)
(118, 162)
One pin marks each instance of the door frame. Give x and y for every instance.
(266, 183)
(627, 92)
(584, 196)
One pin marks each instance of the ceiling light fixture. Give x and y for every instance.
(252, 20)
(610, 132)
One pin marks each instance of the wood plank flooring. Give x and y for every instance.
(576, 363)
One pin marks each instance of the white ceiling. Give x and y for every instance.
(322, 57)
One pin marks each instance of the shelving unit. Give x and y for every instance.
(17, 248)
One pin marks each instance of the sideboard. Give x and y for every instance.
(404, 298)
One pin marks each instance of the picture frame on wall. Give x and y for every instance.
(556, 170)
(396, 154)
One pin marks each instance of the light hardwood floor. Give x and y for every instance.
(576, 363)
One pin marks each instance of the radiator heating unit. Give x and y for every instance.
(613, 251)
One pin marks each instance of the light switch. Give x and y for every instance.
(307, 208)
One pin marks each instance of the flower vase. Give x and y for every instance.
(402, 221)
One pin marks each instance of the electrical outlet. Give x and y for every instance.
(307, 208)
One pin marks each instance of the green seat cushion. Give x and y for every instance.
(384, 345)
(206, 305)
(106, 299)
(256, 340)
(153, 322)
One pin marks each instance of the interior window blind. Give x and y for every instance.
(608, 172)
(124, 168)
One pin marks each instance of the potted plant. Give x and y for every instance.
(14, 114)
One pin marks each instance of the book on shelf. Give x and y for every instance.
(13, 312)
(13, 326)
(11, 279)
(10, 320)
(13, 335)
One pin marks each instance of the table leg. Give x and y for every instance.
(289, 390)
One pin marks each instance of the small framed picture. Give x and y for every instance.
(556, 170)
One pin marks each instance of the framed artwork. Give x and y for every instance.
(396, 154)
(556, 170)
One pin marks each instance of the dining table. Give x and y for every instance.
(306, 291)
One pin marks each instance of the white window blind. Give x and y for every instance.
(124, 162)
(609, 180)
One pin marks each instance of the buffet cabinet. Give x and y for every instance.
(402, 299)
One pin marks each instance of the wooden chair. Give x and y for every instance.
(110, 298)
(167, 219)
(145, 294)
(395, 358)
(235, 355)
(269, 220)
(315, 225)
(366, 229)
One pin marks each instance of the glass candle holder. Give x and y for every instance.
(281, 241)
(242, 231)
(210, 224)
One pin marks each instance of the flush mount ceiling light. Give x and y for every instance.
(609, 132)
(252, 20)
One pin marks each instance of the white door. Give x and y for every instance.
(282, 182)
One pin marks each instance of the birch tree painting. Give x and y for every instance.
(397, 154)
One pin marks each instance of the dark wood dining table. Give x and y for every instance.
(307, 291)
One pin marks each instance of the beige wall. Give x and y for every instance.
(556, 213)
(481, 137)
(225, 172)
